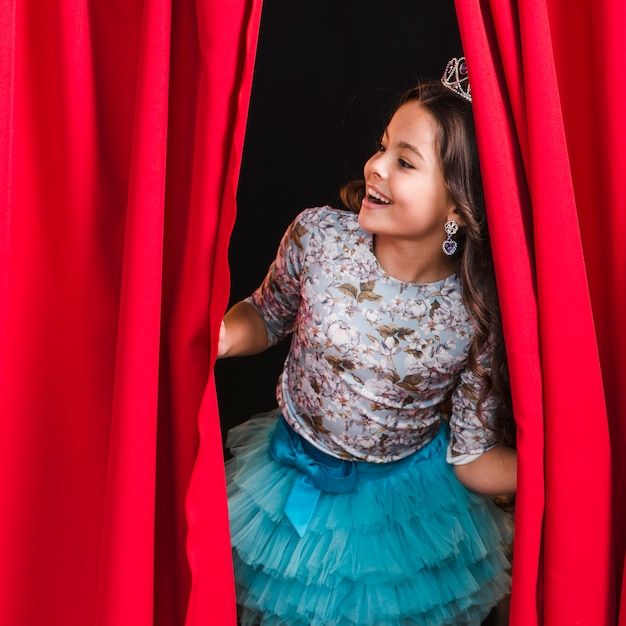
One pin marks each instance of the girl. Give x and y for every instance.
(356, 501)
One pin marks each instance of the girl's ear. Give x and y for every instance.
(456, 215)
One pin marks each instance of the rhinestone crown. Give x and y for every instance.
(455, 78)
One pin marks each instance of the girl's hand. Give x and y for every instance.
(493, 473)
(222, 344)
(242, 332)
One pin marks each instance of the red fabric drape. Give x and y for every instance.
(121, 129)
(547, 109)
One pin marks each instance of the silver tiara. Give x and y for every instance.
(455, 78)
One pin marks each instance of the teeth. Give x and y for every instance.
(378, 196)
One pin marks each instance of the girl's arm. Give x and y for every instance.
(493, 473)
(243, 332)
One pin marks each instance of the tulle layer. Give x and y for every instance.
(409, 546)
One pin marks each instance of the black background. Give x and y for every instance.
(326, 73)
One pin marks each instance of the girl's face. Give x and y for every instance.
(406, 197)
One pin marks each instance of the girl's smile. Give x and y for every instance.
(374, 196)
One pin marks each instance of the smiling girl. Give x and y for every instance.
(359, 500)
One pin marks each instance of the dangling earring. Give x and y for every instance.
(449, 245)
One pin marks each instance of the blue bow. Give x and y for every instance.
(319, 472)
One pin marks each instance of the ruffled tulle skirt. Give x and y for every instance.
(409, 546)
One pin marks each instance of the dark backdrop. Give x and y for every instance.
(326, 73)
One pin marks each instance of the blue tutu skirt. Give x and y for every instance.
(408, 546)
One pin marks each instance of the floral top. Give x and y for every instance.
(372, 358)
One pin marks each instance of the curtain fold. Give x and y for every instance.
(121, 129)
(511, 225)
(547, 124)
(127, 549)
(208, 541)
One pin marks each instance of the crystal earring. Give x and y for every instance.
(449, 245)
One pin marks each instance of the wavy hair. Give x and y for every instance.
(456, 141)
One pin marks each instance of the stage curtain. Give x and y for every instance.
(548, 103)
(121, 131)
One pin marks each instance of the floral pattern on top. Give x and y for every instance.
(372, 359)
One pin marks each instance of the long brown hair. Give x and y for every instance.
(461, 171)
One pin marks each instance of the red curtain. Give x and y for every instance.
(548, 101)
(121, 130)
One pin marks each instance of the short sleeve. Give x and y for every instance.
(470, 434)
(277, 299)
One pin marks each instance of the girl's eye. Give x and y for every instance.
(380, 147)
(405, 164)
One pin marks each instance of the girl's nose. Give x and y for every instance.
(376, 164)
